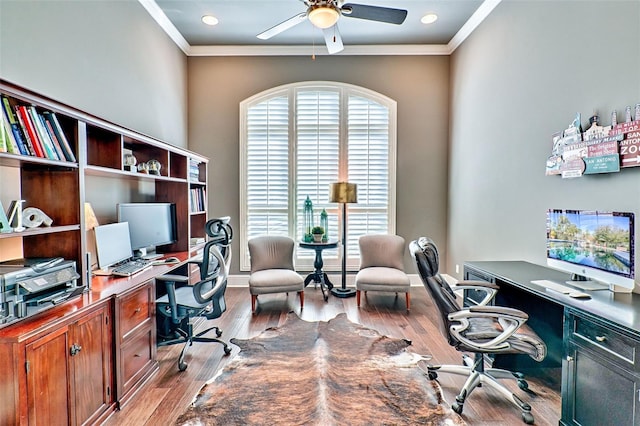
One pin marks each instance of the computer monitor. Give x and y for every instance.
(150, 225)
(594, 246)
(112, 244)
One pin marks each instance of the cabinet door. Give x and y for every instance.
(597, 392)
(90, 361)
(48, 379)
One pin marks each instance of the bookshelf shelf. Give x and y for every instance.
(40, 231)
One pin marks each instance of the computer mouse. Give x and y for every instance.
(171, 260)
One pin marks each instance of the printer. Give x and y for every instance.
(29, 286)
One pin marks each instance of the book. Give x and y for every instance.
(54, 139)
(42, 134)
(8, 140)
(15, 131)
(64, 143)
(29, 131)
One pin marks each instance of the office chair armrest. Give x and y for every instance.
(174, 278)
(170, 285)
(204, 294)
(490, 290)
(510, 320)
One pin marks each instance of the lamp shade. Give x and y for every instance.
(343, 192)
(323, 16)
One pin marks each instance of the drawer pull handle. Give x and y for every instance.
(137, 310)
(601, 338)
(569, 358)
(136, 356)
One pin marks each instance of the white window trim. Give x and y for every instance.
(290, 91)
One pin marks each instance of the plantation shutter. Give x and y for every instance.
(317, 159)
(368, 165)
(267, 168)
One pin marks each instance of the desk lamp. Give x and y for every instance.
(343, 192)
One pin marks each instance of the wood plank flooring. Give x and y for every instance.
(169, 392)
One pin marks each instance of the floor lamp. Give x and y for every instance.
(343, 192)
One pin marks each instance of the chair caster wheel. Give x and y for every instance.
(527, 418)
(227, 350)
(218, 332)
(456, 407)
(522, 384)
(182, 366)
(432, 375)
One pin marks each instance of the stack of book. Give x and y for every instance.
(26, 131)
(194, 170)
(198, 200)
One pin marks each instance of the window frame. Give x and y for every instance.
(305, 262)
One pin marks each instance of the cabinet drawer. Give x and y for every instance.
(134, 310)
(136, 354)
(605, 339)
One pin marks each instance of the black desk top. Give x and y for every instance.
(619, 308)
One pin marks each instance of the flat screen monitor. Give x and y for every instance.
(150, 225)
(112, 244)
(592, 245)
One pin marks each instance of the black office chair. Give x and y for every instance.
(478, 329)
(204, 299)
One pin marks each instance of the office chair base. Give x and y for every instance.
(477, 377)
(188, 338)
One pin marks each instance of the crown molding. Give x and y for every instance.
(358, 50)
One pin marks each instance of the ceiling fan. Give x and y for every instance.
(324, 14)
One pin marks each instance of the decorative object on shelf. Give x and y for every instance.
(90, 222)
(33, 217)
(129, 161)
(343, 192)
(143, 168)
(324, 223)
(307, 212)
(154, 167)
(318, 232)
(12, 220)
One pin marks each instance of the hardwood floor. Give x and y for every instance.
(168, 394)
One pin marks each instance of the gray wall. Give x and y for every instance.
(521, 76)
(420, 85)
(108, 58)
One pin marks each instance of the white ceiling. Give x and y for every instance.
(241, 20)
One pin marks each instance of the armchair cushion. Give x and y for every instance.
(377, 278)
(275, 281)
(382, 250)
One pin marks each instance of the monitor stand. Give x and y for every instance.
(146, 254)
(588, 285)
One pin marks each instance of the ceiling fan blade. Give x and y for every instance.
(374, 13)
(333, 39)
(283, 26)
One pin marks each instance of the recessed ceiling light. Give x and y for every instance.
(210, 20)
(429, 18)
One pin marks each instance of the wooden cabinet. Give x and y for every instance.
(136, 337)
(71, 364)
(66, 371)
(601, 373)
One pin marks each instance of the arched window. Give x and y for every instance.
(297, 139)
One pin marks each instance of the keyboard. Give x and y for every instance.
(131, 267)
(563, 289)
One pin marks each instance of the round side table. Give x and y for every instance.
(318, 276)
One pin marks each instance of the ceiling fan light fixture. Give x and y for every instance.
(210, 20)
(429, 18)
(323, 16)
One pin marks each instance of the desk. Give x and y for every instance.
(596, 341)
(318, 276)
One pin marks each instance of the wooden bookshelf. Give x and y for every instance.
(60, 188)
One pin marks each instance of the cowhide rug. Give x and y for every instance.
(321, 373)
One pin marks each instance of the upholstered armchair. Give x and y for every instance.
(382, 266)
(272, 268)
(479, 329)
